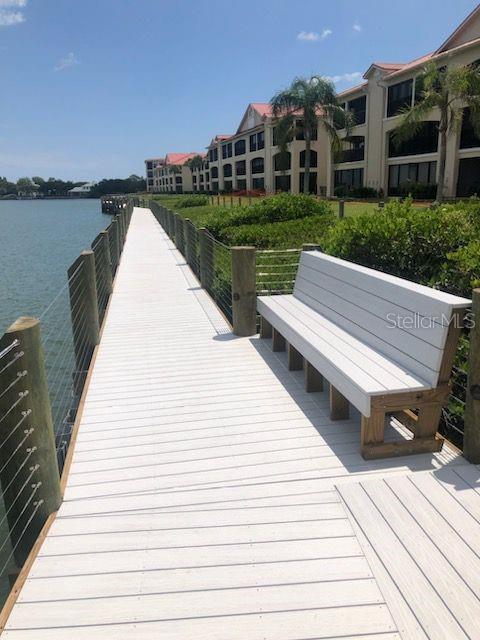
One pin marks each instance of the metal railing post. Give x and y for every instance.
(244, 300)
(471, 435)
(341, 208)
(116, 245)
(28, 457)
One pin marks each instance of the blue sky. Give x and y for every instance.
(90, 88)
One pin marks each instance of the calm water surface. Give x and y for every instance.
(39, 241)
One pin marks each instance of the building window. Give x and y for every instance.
(207, 177)
(194, 179)
(468, 138)
(425, 141)
(312, 187)
(213, 154)
(282, 183)
(354, 149)
(227, 170)
(257, 141)
(241, 184)
(300, 134)
(258, 183)
(215, 186)
(313, 158)
(359, 109)
(401, 177)
(214, 172)
(257, 165)
(282, 161)
(399, 96)
(227, 150)
(348, 178)
(178, 179)
(240, 147)
(240, 167)
(227, 186)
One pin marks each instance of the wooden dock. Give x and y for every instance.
(210, 497)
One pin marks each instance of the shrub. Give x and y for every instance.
(280, 235)
(403, 240)
(192, 201)
(277, 208)
(363, 192)
(461, 271)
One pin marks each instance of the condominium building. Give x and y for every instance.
(249, 159)
(371, 159)
(150, 165)
(175, 175)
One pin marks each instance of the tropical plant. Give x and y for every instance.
(195, 163)
(314, 102)
(450, 90)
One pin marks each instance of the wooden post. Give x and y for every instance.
(84, 314)
(28, 458)
(295, 359)
(244, 300)
(121, 230)
(106, 263)
(218, 200)
(471, 436)
(313, 378)
(231, 202)
(115, 245)
(339, 406)
(189, 234)
(223, 200)
(179, 238)
(381, 205)
(206, 258)
(265, 328)
(278, 341)
(341, 208)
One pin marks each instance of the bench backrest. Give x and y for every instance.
(403, 320)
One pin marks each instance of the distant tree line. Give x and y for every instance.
(37, 186)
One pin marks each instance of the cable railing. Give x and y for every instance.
(276, 271)
(44, 364)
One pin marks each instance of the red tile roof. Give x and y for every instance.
(179, 159)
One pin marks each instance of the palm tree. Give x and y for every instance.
(314, 101)
(195, 163)
(449, 90)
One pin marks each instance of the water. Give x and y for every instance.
(39, 241)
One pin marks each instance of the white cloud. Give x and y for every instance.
(9, 18)
(65, 63)
(357, 27)
(346, 77)
(313, 36)
(309, 36)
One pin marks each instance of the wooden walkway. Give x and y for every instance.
(206, 495)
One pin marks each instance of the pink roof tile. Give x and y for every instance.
(179, 159)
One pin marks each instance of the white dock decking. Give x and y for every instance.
(205, 496)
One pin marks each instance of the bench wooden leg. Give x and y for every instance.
(295, 359)
(313, 379)
(278, 343)
(339, 406)
(373, 428)
(265, 328)
(428, 420)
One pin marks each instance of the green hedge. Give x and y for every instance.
(279, 235)
(278, 208)
(410, 242)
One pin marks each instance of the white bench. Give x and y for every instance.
(384, 344)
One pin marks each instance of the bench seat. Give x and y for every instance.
(386, 345)
(356, 369)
